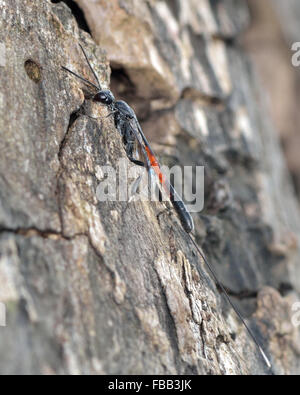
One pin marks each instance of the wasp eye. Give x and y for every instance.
(105, 97)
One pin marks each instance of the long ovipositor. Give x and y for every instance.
(126, 113)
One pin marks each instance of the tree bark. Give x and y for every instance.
(117, 288)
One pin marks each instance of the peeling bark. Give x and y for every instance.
(115, 288)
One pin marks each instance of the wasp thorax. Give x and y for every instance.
(104, 96)
(124, 109)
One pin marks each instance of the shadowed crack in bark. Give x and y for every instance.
(45, 234)
(52, 235)
(283, 289)
(75, 115)
(244, 294)
(173, 335)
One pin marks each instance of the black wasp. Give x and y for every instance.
(128, 126)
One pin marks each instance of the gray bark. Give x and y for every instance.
(117, 288)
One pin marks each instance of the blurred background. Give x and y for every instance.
(273, 30)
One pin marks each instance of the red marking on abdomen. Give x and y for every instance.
(155, 165)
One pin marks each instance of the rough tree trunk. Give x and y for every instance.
(93, 288)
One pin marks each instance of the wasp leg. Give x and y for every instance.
(136, 162)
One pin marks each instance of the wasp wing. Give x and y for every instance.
(178, 204)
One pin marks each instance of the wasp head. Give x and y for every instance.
(104, 97)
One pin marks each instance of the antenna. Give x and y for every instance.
(90, 66)
(82, 78)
